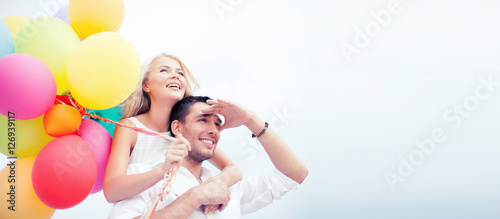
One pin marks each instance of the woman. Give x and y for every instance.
(165, 81)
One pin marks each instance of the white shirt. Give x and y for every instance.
(247, 196)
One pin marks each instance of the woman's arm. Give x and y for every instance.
(229, 175)
(230, 172)
(212, 192)
(117, 184)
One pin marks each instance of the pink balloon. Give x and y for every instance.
(99, 141)
(27, 86)
(62, 14)
(64, 172)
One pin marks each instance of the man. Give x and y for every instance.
(197, 127)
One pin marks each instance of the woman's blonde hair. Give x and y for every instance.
(139, 101)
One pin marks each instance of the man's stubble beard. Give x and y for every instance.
(197, 156)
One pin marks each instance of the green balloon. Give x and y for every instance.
(113, 113)
(52, 41)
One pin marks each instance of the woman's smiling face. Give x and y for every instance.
(166, 79)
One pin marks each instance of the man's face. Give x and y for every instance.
(202, 131)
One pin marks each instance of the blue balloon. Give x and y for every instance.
(6, 40)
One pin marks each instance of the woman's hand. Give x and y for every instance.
(176, 152)
(234, 114)
(211, 208)
(216, 190)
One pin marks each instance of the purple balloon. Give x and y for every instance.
(99, 140)
(27, 87)
(62, 14)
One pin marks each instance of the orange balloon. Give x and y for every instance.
(61, 120)
(15, 23)
(88, 17)
(22, 198)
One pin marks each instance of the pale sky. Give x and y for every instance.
(354, 87)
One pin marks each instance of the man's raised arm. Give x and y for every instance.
(281, 155)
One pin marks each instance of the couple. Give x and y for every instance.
(138, 162)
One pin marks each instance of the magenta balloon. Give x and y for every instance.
(27, 86)
(62, 14)
(99, 141)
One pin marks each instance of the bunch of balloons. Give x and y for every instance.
(47, 64)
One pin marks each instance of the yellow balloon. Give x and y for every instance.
(103, 71)
(52, 41)
(15, 23)
(27, 139)
(88, 17)
(22, 198)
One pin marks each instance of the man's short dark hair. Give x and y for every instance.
(181, 109)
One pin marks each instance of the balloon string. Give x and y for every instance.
(169, 175)
(75, 104)
(167, 188)
(137, 129)
(61, 102)
(83, 111)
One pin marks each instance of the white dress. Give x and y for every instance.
(148, 149)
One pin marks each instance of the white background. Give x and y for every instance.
(350, 122)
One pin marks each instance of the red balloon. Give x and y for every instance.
(63, 99)
(64, 172)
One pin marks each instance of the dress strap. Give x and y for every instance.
(140, 125)
(136, 122)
